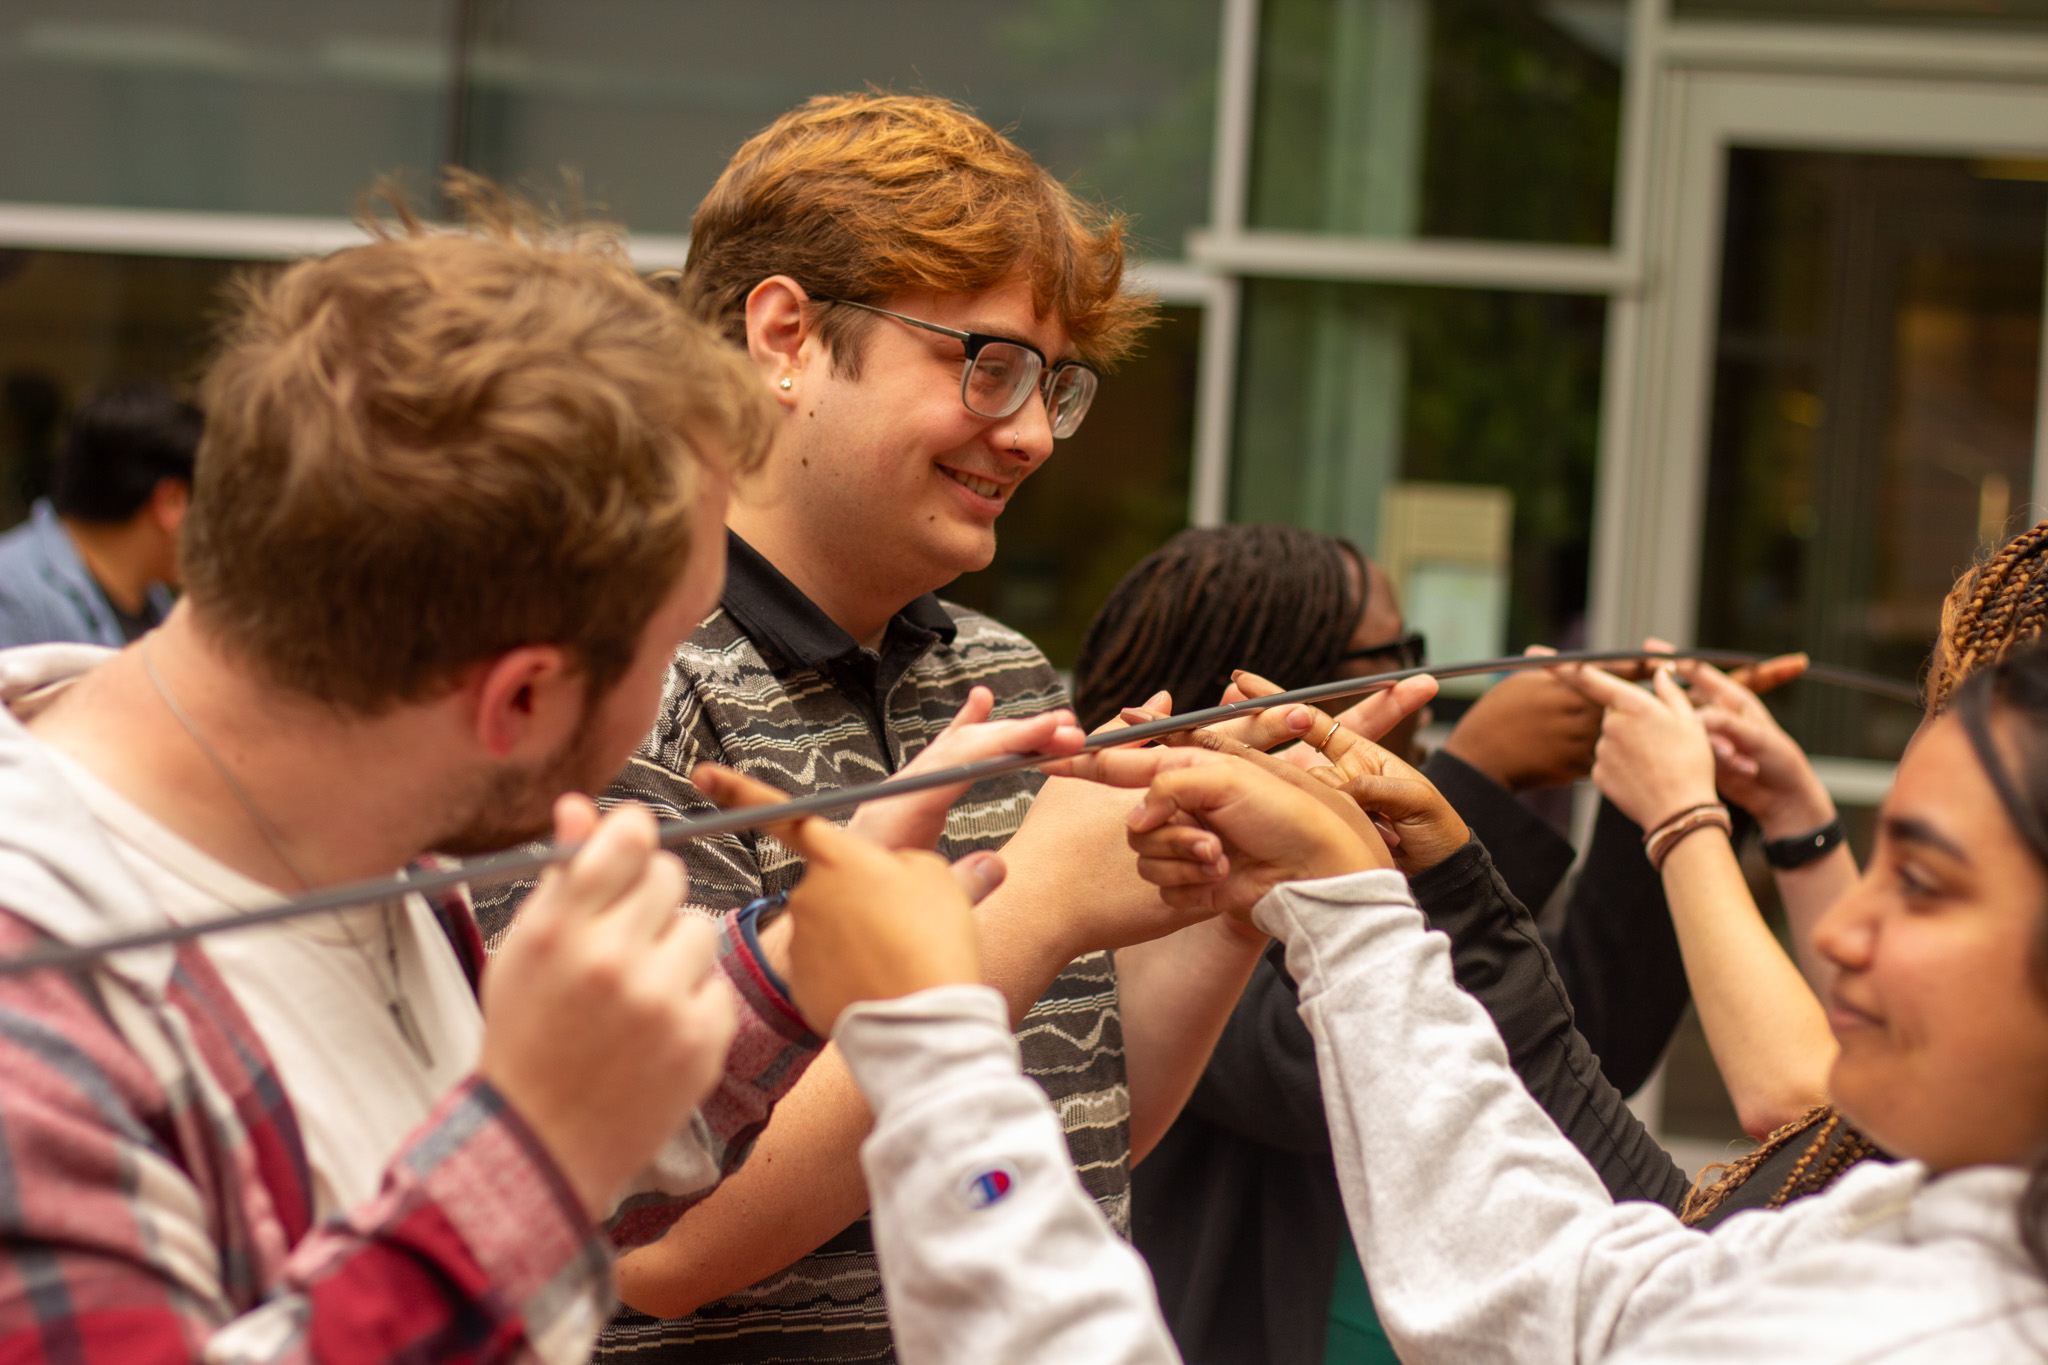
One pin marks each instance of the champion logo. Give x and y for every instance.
(985, 1187)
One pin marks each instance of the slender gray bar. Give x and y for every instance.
(513, 863)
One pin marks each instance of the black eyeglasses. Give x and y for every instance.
(1000, 373)
(1410, 650)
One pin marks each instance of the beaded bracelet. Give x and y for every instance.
(1659, 842)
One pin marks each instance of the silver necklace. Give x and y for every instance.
(393, 986)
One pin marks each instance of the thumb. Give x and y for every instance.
(979, 873)
(1397, 798)
(976, 709)
(1664, 679)
(575, 817)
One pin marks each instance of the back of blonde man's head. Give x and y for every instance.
(425, 451)
(860, 197)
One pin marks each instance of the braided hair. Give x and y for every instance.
(1997, 604)
(1832, 1147)
(1277, 600)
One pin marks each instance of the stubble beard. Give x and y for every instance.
(517, 807)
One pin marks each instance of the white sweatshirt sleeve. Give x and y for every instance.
(1483, 1232)
(990, 1250)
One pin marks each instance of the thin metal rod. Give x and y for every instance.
(521, 862)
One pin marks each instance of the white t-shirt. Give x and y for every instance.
(319, 1001)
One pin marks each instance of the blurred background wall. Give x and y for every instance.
(1725, 313)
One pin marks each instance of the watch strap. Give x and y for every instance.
(1801, 849)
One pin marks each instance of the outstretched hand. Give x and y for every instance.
(917, 820)
(1412, 816)
(867, 923)
(1654, 759)
(1222, 824)
(1757, 765)
(1370, 717)
(1528, 730)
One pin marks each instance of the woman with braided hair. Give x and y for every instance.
(1997, 606)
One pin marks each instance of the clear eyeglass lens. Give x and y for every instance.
(1073, 389)
(1001, 378)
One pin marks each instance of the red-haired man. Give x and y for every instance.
(930, 311)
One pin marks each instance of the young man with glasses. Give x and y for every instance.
(929, 309)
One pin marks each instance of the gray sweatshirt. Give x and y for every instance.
(1484, 1233)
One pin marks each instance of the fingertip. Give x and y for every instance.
(711, 779)
(980, 873)
(1146, 817)
(575, 816)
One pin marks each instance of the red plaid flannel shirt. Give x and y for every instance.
(147, 1222)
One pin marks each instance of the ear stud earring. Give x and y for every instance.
(787, 384)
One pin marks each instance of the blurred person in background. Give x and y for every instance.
(1237, 1209)
(96, 560)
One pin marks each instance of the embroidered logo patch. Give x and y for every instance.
(985, 1187)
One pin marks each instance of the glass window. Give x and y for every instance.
(238, 106)
(1490, 119)
(1945, 13)
(1873, 428)
(1111, 494)
(649, 98)
(234, 105)
(70, 321)
(1354, 397)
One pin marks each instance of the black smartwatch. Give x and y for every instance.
(1801, 849)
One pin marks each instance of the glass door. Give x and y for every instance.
(1875, 362)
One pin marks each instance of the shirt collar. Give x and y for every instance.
(775, 612)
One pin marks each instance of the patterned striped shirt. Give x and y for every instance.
(769, 685)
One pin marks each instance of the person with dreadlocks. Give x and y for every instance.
(1241, 1190)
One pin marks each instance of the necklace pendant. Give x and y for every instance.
(409, 1029)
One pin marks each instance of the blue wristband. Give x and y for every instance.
(749, 916)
